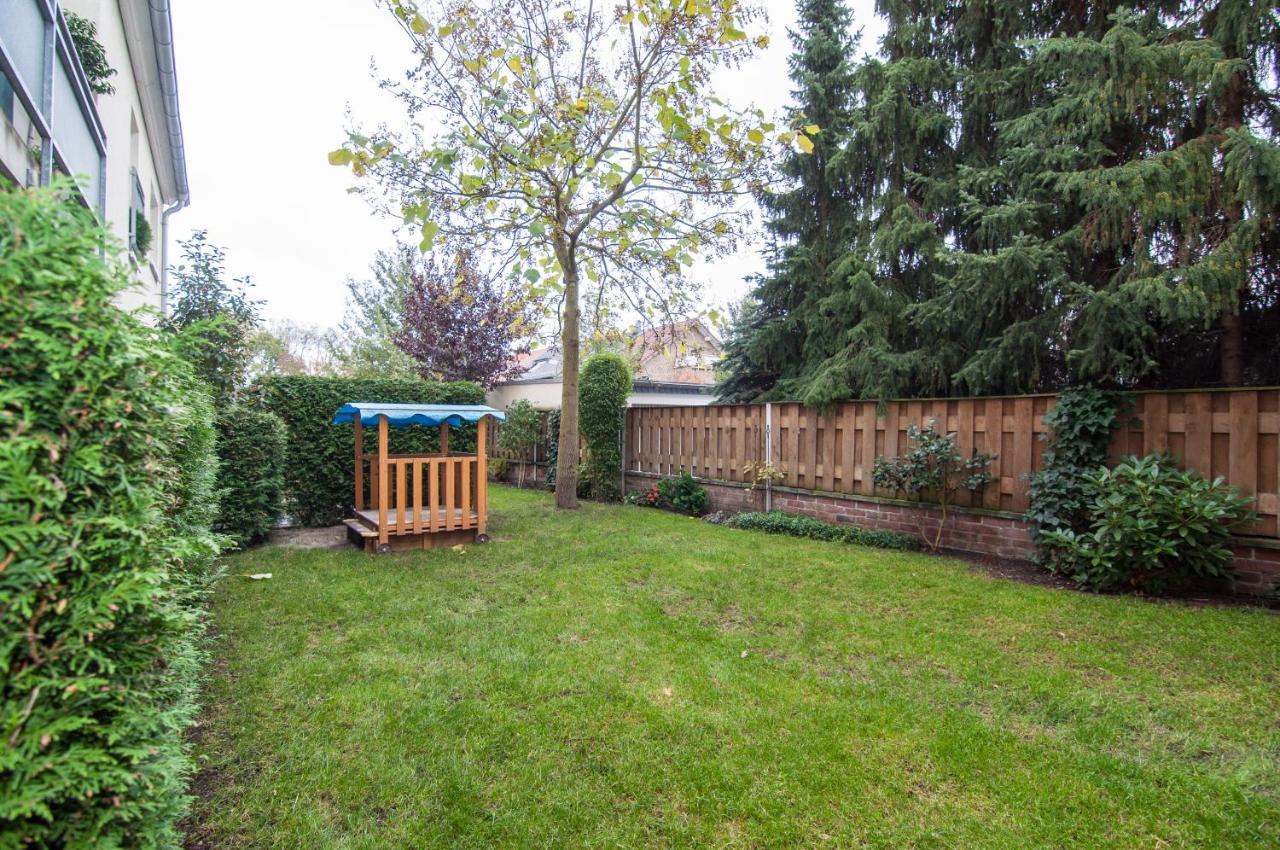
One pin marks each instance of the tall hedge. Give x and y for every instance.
(602, 414)
(251, 456)
(319, 468)
(107, 473)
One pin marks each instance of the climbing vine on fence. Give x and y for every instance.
(1080, 429)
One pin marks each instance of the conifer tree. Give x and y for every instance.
(808, 220)
(1045, 194)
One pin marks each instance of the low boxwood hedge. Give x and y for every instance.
(776, 522)
(319, 475)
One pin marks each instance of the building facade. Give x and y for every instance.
(125, 148)
(674, 366)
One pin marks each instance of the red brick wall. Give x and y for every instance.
(1257, 565)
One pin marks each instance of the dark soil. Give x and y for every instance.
(1216, 594)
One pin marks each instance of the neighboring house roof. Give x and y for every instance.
(672, 357)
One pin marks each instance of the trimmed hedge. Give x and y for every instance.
(319, 473)
(107, 477)
(251, 454)
(603, 388)
(776, 522)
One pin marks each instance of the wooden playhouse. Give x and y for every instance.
(418, 501)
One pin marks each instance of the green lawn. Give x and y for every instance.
(622, 677)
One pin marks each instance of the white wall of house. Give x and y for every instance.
(135, 121)
(133, 143)
(546, 396)
(542, 395)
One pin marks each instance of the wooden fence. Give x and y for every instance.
(1227, 433)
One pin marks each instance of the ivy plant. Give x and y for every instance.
(1080, 428)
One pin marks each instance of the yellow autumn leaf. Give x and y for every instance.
(755, 137)
(812, 129)
(513, 62)
(804, 142)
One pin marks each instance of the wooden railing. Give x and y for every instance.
(426, 493)
(1230, 433)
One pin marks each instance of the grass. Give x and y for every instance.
(622, 677)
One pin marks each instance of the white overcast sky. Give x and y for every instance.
(265, 88)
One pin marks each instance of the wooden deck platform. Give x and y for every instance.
(363, 530)
(370, 518)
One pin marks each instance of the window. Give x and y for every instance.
(139, 227)
(6, 97)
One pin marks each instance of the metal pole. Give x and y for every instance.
(768, 453)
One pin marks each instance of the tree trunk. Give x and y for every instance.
(567, 459)
(1231, 347)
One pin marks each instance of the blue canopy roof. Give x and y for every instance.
(399, 415)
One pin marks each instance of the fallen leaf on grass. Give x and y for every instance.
(459, 549)
(256, 576)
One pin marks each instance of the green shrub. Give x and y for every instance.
(106, 495)
(602, 414)
(319, 475)
(683, 494)
(553, 448)
(1080, 427)
(776, 522)
(1153, 527)
(521, 432)
(934, 467)
(251, 455)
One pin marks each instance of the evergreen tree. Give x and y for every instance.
(1135, 239)
(808, 221)
(1043, 194)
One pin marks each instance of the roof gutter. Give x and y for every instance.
(162, 34)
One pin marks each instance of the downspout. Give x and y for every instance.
(164, 255)
(162, 33)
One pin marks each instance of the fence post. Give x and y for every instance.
(768, 453)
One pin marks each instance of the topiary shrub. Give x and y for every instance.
(1080, 427)
(251, 454)
(106, 494)
(602, 414)
(1153, 527)
(319, 475)
(776, 522)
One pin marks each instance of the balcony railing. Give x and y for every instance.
(40, 64)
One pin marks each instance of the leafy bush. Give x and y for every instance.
(521, 432)
(319, 470)
(683, 494)
(933, 467)
(251, 454)
(553, 448)
(213, 320)
(1080, 429)
(1153, 526)
(650, 497)
(602, 414)
(776, 522)
(106, 494)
